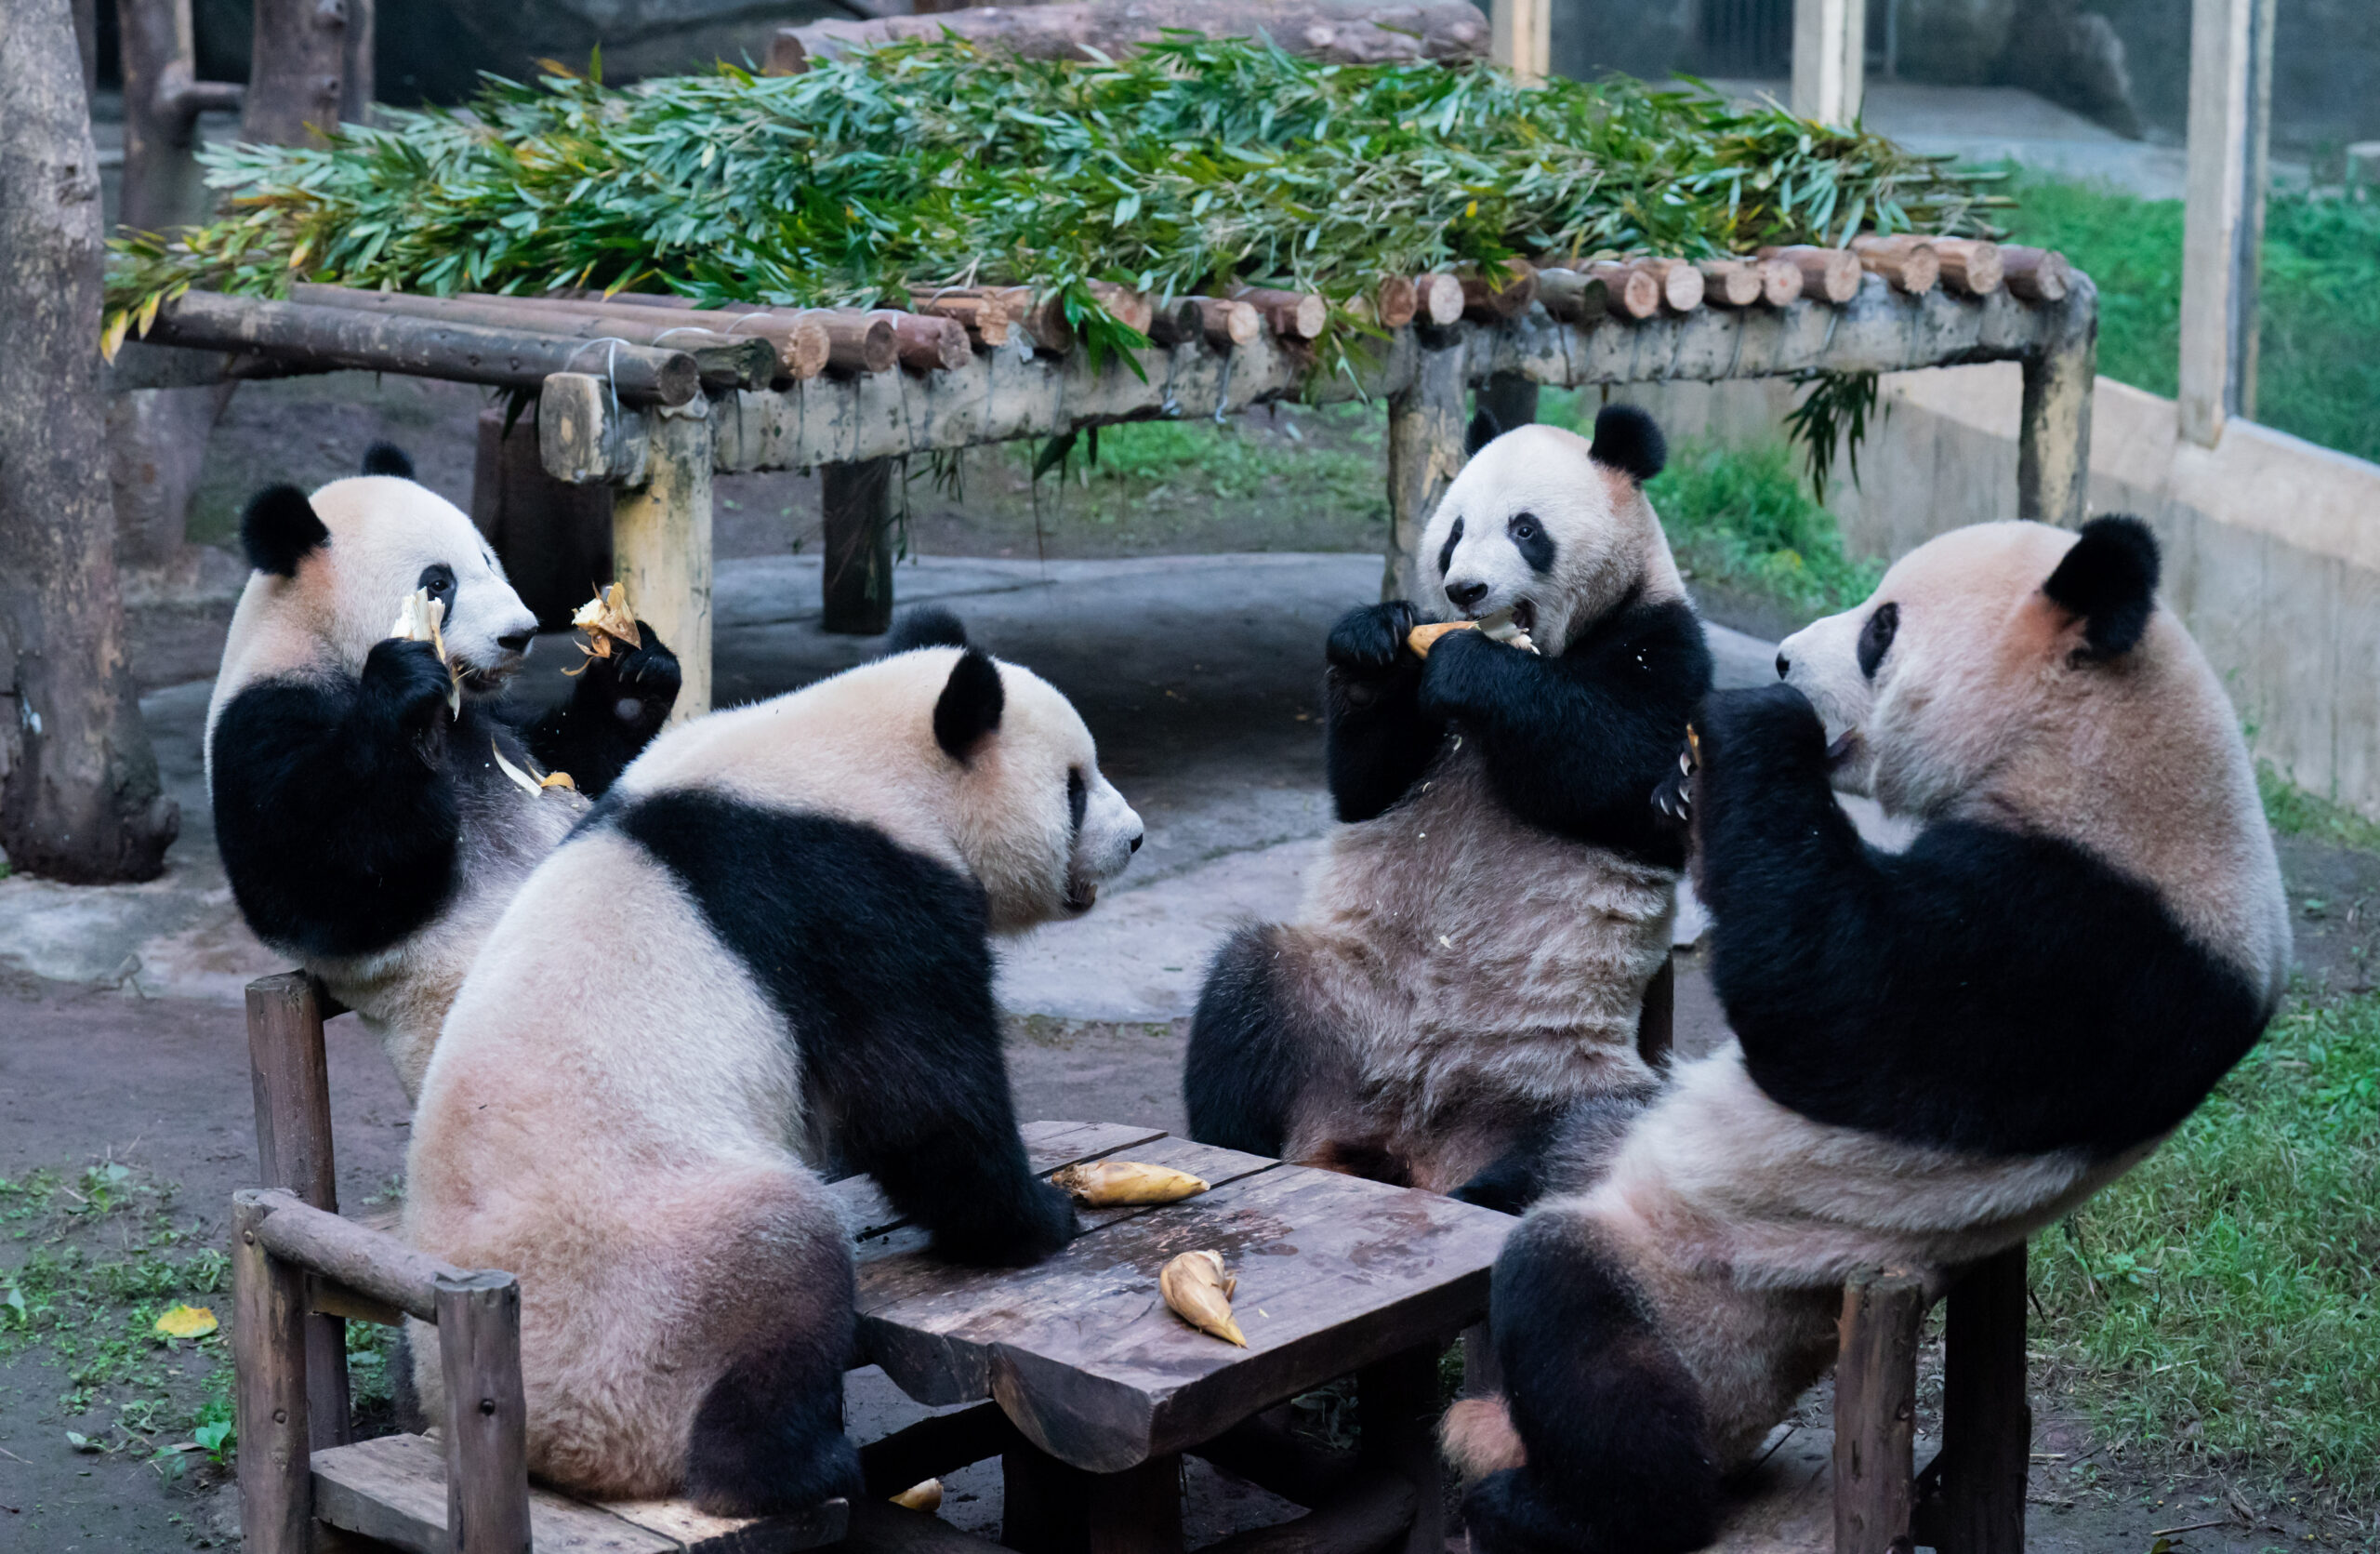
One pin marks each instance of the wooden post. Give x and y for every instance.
(2054, 430)
(1425, 426)
(2223, 213)
(357, 78)
(857, 541)
(661, 546)
(1048, 1506)
(1521, 38)
(1510, 401)
(291, 1077)
(554, 539)
(1987, 1424)
(1875, 1412)
(297, 72)
(1829, 58)
(488, 1414)
(1396, 1403)
(163, 98)
(269, 1363)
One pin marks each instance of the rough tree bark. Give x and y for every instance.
(297, 73)
(79, 795)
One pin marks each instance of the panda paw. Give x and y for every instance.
(404, 680)
(1773, 728)
(640, 685)
(1370, 641)
(1673, 795)
(1038, 1223)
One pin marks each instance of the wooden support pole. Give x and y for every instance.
(487, 1415)
(297, 73)
(1396, 1401)
(1425, 426)
(1829, 58)
(661, 546)
(1875, 1412)
(2053, 428)
(163, 98)
(269, 1389)
(2223, 210)
(290, 1076)
(368, 1262)
(1521, 38)
(857, 541)
(1987, 1424)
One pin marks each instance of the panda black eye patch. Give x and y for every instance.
(1077, 796)
(1876, 638)
(1445, 552)
(439, 578)
(1530, 539)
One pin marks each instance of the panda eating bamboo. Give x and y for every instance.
(1472, 963)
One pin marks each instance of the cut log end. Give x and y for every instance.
(1828, 274)
(1730, 282)
(1296, 315)
(1395, 302)
(1499, 293)
(1439, 299)
(1632, 290)
(1228, 325)
(2036, 275)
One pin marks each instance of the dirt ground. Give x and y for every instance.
(125, 1122)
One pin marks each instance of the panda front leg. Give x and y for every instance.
(1376, 740)
(1612, 1421)
(616, 705)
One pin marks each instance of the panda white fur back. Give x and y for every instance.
(1937, 1052)
(769, 939)
(367, 830)
(1474, 958)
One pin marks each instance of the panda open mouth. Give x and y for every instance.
(1081, 895)
(1844, 752)
(1524, 615)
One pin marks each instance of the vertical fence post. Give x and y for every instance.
(2223, 214)
(1829, 58)
(2054, 428)
(661, 545)
(1424, 450)
(291, 1076)
(857, 537)
(487, 1442)
(1987, 1424)
(269, 1397)
(1876, 1413)
(1520, 37)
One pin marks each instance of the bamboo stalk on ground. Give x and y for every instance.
(1828, 274)
(1910, 263)
(352, 337)
(2036, 275)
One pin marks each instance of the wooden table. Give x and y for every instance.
(1099, 1387)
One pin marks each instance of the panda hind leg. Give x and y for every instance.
(1263, 1070)
(1613, 1424)
(768, 1436)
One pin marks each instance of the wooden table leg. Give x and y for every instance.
(1050, 1507)
(1987, 1424)
(1396, 1403)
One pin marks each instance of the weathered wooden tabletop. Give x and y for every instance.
(1335, 1273)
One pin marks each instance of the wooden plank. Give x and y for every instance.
(374, 1263)
(1875, 1412)
(394, 1489)
(661, 548)
(268, 1390)
(935, 1445)
(2219, 227)
(1335, 1273)
(488, 1414)
(1396, 1399)
(1829, 58)
(697, 1531)
(1049, 1146)
(290, 1077)
(1987, 1422)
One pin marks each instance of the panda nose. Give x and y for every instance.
(1136, 842)
(1783, 668)
(518, 641)
(1466, 594)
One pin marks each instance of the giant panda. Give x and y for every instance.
(769, 940)
(368, 831)
(1937, 1052)
(1474, 958)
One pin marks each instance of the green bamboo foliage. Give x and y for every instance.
(1185, 166)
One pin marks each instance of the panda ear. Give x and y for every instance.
(387, 459)
(970, 704)
(2109, 582)
(1627, 440)
(1483, 430)
(278, 529)
(926, 626)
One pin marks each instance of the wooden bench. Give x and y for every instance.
(1073, 1371)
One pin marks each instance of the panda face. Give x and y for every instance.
(385, 536)
(1036, 820)
(1537, 525)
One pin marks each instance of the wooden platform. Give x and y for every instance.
(394, 1490)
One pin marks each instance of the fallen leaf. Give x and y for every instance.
(187, 1321)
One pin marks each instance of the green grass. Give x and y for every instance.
(2319, 303)
(2218, 1303)
(2295, 812)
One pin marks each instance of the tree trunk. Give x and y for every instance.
(297, 72)
(163, 98)
(79, 795)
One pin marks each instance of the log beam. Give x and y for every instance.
(1875, 1412)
